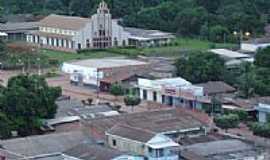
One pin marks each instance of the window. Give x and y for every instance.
(163, 99)
(124, 43)
(144, 94)
(79, 46)
(62, 42)
(114, 142)
(115, 42)
(154, 96)
(150, 150)
(57, 42)
(87, 43)
(159, 152)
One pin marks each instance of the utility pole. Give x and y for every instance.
(39, 71)
(98, 85)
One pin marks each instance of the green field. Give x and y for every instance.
(65, 56)
(179, 47)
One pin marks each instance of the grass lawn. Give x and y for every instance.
(183, 46)
(65, 56)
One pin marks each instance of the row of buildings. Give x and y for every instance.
(134, 75)
(169, 134)
(69, 33)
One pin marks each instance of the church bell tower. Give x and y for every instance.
(102, 27)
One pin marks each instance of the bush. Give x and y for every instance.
(243, 115)
(227, 121)
(262, 130)
(117, 90)
(132, 101)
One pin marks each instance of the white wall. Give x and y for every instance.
(262, 117)
(89, 74)
(253, 47)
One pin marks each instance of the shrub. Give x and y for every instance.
(227, 121)
(262, 130)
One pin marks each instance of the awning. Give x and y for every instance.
(163, 145)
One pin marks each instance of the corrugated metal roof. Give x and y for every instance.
(64, 22)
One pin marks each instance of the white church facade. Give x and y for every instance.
(70, 33)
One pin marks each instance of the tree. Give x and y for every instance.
(218, 34)
(262, 58)
(117, 90)
(227, 121)
(262, 81)
(200, 67)
(246, 82)
(190, 20)
(26, 100)
(5, 125)
(132, 101)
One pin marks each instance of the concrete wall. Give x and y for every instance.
(125, 145)
(262, 117)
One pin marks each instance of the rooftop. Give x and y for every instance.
(20, 26)
(106, 63)
(64, 22)
(246, 104)
(132, 133)
(73, 107)
(53, 156)
(167, 82)
(44, 144)
(216, 87)
(143, 34)
(263, 107)
(224, 149)
(92, 152)
(10, 155)
(229, 54)
(161, 121)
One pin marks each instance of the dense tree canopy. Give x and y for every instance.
(263, 58)
(24, 102)
(186, 17)
(201, 67)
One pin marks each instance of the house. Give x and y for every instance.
(263, 112)
(214, 88)
(173, 92)
(229, 149)
(232, 58)
(70, 33)
(45, 144)
(254, 45)
(142, 142)
(85, 151)
(102, 72)
(147, 38)
(75, 108)
(174, 123)
(18, 31)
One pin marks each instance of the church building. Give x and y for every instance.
(69, 33)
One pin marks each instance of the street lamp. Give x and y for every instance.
(247, 34)
(241, 35)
